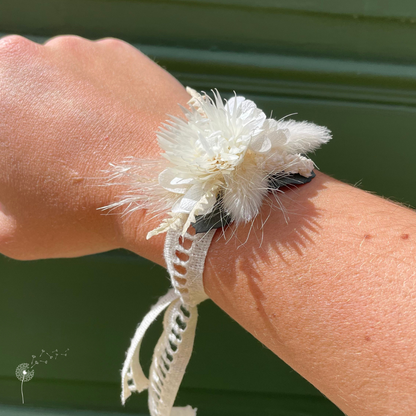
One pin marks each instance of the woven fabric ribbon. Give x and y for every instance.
(185, 259)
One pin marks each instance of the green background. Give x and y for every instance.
(346, 65)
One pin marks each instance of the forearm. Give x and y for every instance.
(331, 292)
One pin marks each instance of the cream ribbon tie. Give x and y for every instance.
(174, 348)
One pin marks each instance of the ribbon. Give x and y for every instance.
(170, 357)
(174, 348)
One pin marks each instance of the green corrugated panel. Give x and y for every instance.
(41, 411)
(91, 305)
(203, 24)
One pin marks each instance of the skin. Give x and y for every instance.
(332, 292)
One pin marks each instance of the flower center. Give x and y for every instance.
(217, 164)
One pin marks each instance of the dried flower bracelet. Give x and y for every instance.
(219, 164)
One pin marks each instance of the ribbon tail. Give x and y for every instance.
(170, 358)
(133, 378)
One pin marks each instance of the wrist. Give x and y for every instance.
(133, 229)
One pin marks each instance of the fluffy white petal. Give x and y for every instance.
(289, 163)
(304, 137)
(244, 194)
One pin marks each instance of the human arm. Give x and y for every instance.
(73, 106)
(68, 109)
(332, 293)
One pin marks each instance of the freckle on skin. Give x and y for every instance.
(404, 236)
(367, 338)
(367, 236)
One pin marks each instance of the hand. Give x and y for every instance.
(67, 109)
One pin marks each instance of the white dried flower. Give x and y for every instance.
(221, 149)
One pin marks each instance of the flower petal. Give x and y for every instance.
(261, 144)
(234, 104)
(189, 200)
(175, 181)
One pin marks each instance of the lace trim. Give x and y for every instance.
(185, 259)
(187, 278)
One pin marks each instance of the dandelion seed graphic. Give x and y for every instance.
(24, 374)
(25, 371)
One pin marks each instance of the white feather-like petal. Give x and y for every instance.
(304, 137)
(244, 194)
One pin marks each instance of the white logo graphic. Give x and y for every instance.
(25, 371)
